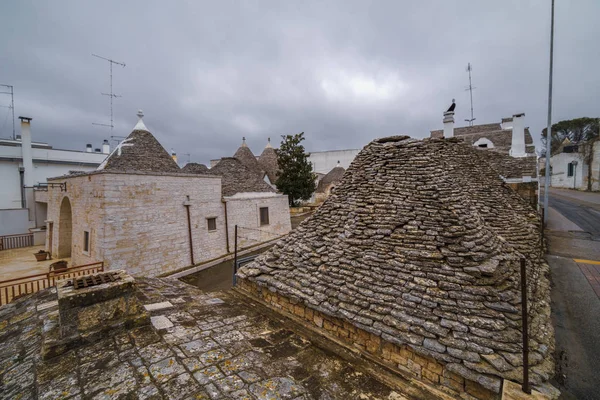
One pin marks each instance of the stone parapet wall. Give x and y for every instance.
(402, 358)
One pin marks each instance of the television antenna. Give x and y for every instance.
(12, 105)
(470, 89)
(117, 138)
(111, 94)
(189, 157)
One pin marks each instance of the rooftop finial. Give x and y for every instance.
(268, 146)
(140, 124)
(244, 142)
(338, 164)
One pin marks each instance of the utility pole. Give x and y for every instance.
(470, 89)
(12, 106)
(111, 94)
(549, 128)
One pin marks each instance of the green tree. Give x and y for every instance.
(576, 130)
(295, 171)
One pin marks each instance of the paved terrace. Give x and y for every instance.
(16, 263)
(210, 346)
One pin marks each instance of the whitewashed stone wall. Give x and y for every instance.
(85, 196)
(146, 228)
(560, 164)
(325, 161)
(243, 210)
(560, 167)
(138, 222)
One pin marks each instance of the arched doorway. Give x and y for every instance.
(65, 229)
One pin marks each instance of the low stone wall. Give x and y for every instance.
(400, 358)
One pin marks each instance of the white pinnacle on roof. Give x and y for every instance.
(140, 124)
(244, 142)
(268, 146)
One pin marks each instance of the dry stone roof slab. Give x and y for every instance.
(140, 151)
(421, 244)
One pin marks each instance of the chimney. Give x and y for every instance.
(507, 123)
(104, 301)
(97, 150)
(449, 124)
(26, 150)
(88, 148)
(517, 148)
(105, 147)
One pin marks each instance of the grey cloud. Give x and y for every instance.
(344, 72)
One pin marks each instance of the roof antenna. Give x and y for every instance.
(111, 94)
(12, 105)
(470, 89)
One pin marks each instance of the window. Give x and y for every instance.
(264, 216)
(570, 169)
(483, 145)
(86, 242)
(212, 223)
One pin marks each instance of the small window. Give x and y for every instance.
(212, 224)
(264, 215)
(483, 145)
(86, 241)
(570, 169)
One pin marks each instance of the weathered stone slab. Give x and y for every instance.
(161, 322)
(158, 306)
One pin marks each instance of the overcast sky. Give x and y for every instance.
(208, 73)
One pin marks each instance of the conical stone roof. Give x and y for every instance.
(194, 168)
(140, 151)
(420, 244)
(236, 178)
(333, 176)
(247, 158)
(268, 162)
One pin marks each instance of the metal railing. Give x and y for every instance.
(11, 289)
(16, 241)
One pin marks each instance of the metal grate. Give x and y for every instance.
(93, 280)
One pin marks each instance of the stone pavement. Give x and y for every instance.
(591, 271)
(202, 346)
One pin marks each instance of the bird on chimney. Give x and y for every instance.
(452, 107)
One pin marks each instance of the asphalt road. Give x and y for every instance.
(576, 317)
(575, 305)
(586, 217)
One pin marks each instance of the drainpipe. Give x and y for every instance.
(187, 205)
(226, 226)
(574, 174)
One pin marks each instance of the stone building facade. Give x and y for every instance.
(414, 261)
(132, 213)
